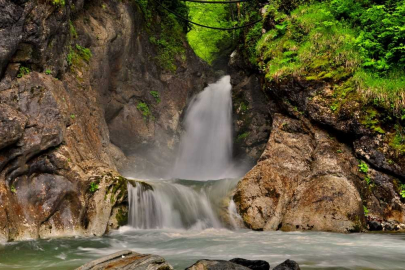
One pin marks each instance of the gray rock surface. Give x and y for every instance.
(216, 265)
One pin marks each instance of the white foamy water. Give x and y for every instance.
(206, 146)
(179, 204)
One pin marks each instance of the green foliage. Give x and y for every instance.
(122, 217)
(13, 189)
(365, 210)
(363, 167)
(169, 42)
(59, 3)
(23, 71)
(209, 44)
(73, 32)
(398, 140)
(402, 192)
(84, 53)
(144, 109)
(155, 94)
(73, 116)
(48, 72)
(242, 136)
(371, 120)
(381, 32)
(339, 151)
(77, 55)
(338, 41)
(93, 187)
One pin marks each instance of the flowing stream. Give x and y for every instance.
(188, 220)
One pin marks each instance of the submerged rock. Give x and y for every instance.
(288, 265)
(128, 260)
(252, 264)
(216, 265)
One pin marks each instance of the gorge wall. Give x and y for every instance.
(85, 88)
(331, 162)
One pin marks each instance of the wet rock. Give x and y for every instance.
(288, 265)
(216, 265)
(252, 264)
(374, 226)
(12, 124)
(128, 260)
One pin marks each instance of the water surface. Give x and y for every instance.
(181, 248)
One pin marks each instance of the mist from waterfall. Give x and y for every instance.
(205, 151)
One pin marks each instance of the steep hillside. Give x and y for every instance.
(335, 71)
(85, 87)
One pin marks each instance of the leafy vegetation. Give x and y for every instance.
(402, 192)
(144, 109)
(155, 94)
(73, 32)
(13, 189)
(93, 187)
(23, 71)
(363, 167)
(78, 54)
(358, 45)
(169, 40)
(59, 3)
(209, 44)
(365, 210)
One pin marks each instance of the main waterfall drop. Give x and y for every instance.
(206, 146)
(205, 154)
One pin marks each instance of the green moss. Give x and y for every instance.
(77, 55)
(122, 217)
(73, 32)
(398, 140)
(365, 210)
(13, 189)
(242, 136)
(371, 120)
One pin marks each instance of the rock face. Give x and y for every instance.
(216, 265)
(288, 265)
(72, 78)
(308, 180)
(128, 260)
(252, 264)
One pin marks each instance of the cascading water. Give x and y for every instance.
(206, 146)
(205, 154)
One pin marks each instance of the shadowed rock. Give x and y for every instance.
(288, 265)
(252, 264)
(216, 265)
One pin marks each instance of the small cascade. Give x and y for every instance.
(169, 205)
(206, 146)
(181, 204)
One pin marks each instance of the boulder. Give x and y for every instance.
(216, 265)
(304, 180)
(128, 260)
(288, 265)
(252, 264)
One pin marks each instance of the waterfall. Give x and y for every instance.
(205, 154)
(206, 146)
